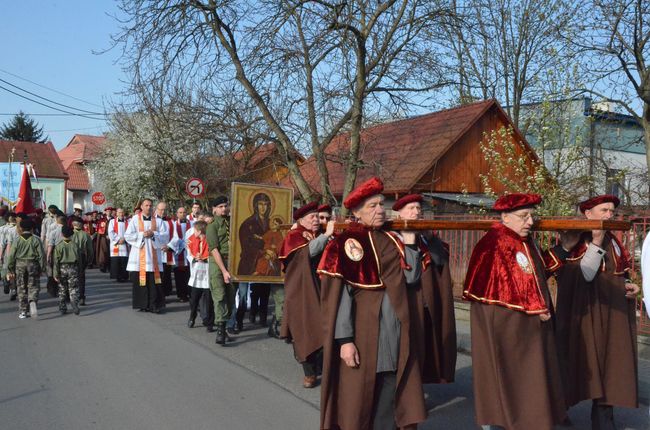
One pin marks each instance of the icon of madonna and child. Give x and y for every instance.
(259, 234)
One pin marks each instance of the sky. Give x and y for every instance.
(48, 49)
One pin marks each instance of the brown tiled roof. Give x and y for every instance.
(261, 153)
(42, 155)
(78, 177)
(81, 148)
(399, 152)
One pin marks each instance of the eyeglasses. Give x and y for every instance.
(325, 217)
(526, 217)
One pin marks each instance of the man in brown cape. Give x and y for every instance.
(596, 317)
(371, 374)
(300, 253)
(432, 298)
(517, 382)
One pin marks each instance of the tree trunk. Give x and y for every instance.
(357, 121)
(645, 122)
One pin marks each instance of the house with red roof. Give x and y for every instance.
(49, 177)
(437, 154)
(75, 157)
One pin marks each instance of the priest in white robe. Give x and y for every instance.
(119, 250)
(146, 236)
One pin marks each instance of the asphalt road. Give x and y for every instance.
(115, 368)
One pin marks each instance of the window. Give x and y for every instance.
(37, 198)
(614, 182)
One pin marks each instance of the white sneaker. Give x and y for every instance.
(23, 315)
(33, 310)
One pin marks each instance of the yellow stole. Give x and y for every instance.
(143, 255)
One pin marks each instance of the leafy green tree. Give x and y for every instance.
(23, 128)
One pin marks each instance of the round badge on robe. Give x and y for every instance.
(523, 262)
(617, 250)
(353, 250)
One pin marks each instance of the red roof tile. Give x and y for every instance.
(78, 177)
(399, 152)
(42, 155)
(81, 148)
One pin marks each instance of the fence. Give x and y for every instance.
(462, 242)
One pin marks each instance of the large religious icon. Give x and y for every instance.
(258, 212)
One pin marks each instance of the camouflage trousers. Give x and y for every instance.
(69, 284)
(28, 283)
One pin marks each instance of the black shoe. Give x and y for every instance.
(63, 311)
(232, 330)
(12, 296)
(263, 320)
(251, 317)
(221, 334)
(190, 322)
(240, 326)
(209, 328)
(274, 328)
(6, 287)
(82, 302)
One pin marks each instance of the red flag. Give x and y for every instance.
(25, 203)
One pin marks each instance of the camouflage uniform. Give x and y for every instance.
(28, 282)
(85, 243)
(27, 262)
(66, 262)
(8, 234)
(69, 284)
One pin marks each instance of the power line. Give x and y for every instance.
(50, 107)
(51, 89)
(74, 129)
(49, 100)
(39, 114)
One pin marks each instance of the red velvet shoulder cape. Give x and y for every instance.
(620, 254)
(502, 271)
(352, 256)
(294, 240)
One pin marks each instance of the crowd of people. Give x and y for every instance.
(370, 311)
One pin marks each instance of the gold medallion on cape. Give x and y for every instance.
(523, 262)
(353, 250)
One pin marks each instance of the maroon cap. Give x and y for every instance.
(371, 187)
(598, 200)
(409, 198)
(511, 202)
(325, 208)
(302, 211)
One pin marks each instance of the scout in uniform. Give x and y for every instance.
(85, 244)
(26, 263)
(66, 266)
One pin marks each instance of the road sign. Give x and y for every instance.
(195, 188)
(98, 198)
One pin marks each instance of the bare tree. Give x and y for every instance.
(615, 41)
(502, 48)
(311, 68)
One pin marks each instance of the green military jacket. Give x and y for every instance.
(26, 247)
(66, 252)
(218, 236)
(85, 244)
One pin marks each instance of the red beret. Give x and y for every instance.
(595, 201)
(325, 208)
(371, 187)
(109, 208)
(511, 202)
(302, 211)
(409, 198)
